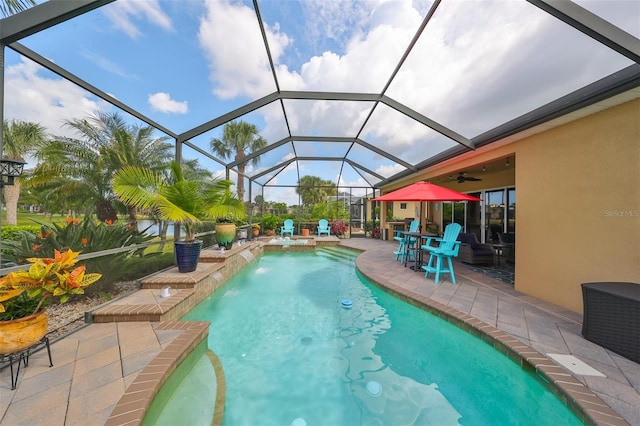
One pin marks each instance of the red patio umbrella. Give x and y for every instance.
(425, 191)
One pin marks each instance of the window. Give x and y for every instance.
(403, 206)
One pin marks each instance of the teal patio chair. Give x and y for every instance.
(323, 227)
(447, 248)
(406, 244)
(287, 228)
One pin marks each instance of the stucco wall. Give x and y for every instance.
(578, 205)
(577, 201)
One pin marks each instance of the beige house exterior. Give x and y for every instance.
(578, 201)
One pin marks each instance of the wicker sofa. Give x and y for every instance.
(474, 252)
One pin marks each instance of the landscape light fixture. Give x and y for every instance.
(10, 169)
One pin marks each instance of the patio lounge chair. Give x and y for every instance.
(287, 228)
(405, 243)
(323, 227)
(473, 252)
(447, 248)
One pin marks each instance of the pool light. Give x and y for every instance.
(374, 388)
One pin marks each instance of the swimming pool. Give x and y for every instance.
(294, 354)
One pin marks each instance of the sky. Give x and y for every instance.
(184, 62)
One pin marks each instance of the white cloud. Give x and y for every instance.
(123, 12)
(230, 38)
(31, 96)
(162, 102)
(391, 170)
(287, 195)
(336, 19)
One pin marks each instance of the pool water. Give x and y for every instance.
(292, 353)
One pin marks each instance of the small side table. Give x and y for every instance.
(500, 251)
(23, 359)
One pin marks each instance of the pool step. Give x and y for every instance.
(337, 253)
(185, 290)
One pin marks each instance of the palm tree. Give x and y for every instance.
(314, 190)
(239, 139)
(176, 198)
(9, 7)
(20, 138)
(86, 165)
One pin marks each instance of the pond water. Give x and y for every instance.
(154, 229)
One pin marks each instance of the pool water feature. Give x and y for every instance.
(292, 352)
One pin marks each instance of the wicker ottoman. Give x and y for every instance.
(612, 317)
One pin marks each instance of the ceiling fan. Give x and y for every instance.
(462, 177)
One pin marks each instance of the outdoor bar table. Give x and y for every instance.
(421, 238)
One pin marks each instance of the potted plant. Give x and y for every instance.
(255, 229)
(229, 208)
(269, 223)
(181, 200)
(24, 294)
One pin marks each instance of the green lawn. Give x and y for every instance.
(26, 218)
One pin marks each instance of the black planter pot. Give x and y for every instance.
(187, 254)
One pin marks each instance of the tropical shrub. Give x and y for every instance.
(25, 292)
(373, 227)
(12, 232)
(85, 236)
(270, 221)
(339, 227)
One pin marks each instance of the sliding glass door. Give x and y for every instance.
(495, 214)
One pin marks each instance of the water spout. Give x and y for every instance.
(248, 256)
(217, 276)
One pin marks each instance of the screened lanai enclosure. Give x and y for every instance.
(360, 93)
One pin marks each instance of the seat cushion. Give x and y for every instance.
(483, 251)
(468, 238)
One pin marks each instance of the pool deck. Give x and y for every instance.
(96, 368)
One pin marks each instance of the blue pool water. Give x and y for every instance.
(293, 353)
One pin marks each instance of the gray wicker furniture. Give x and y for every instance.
(473, 252)
(611, 316)
(508, 241)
